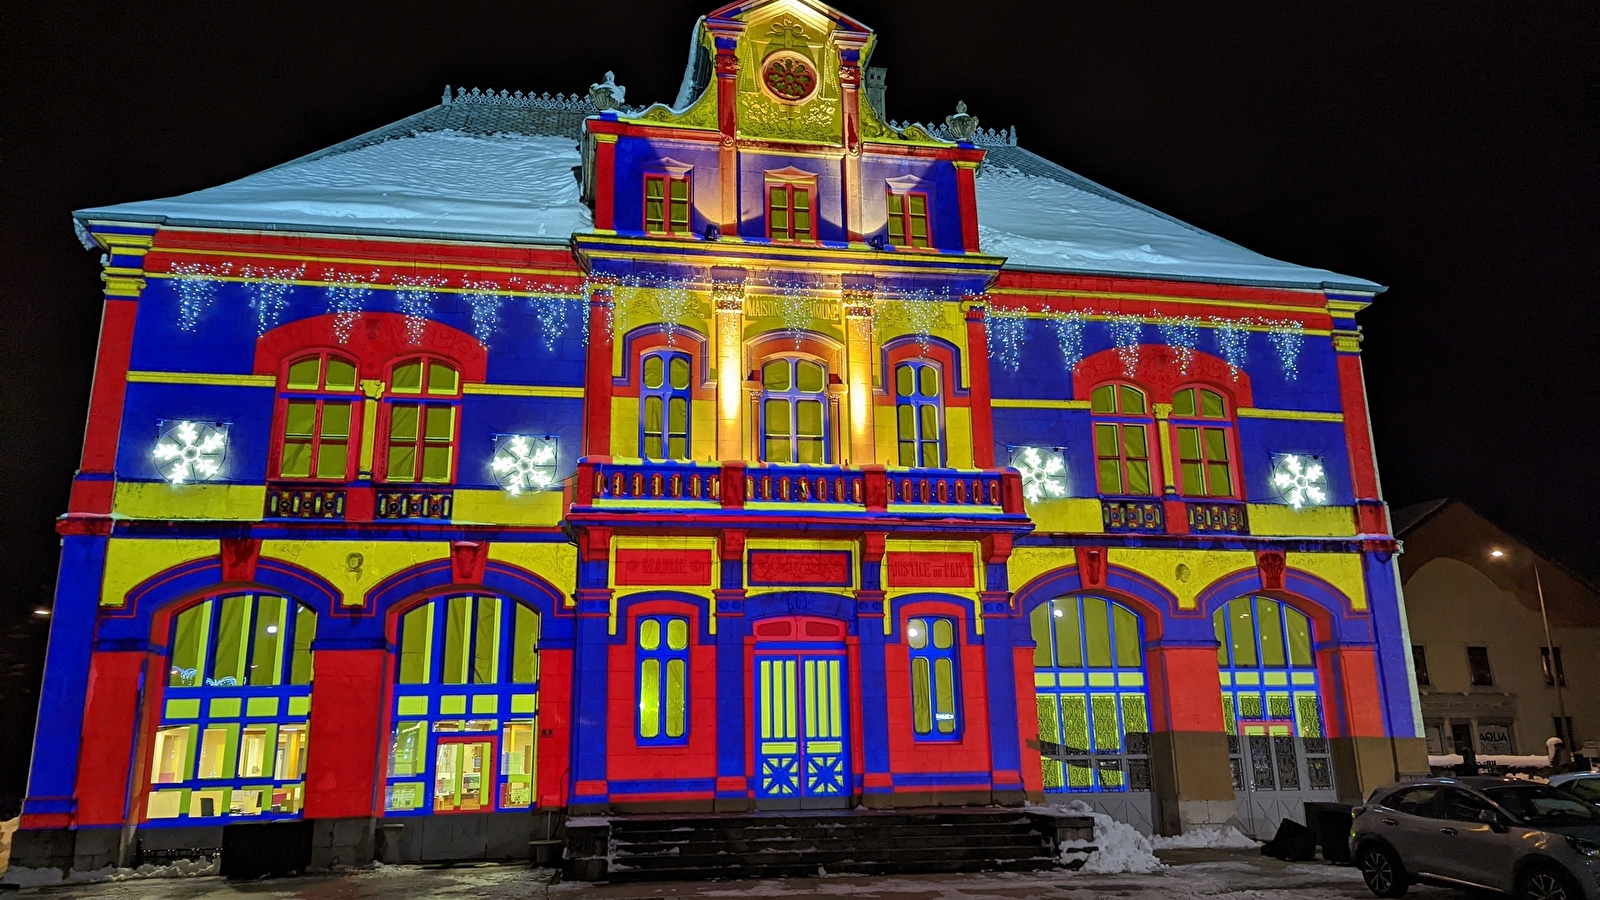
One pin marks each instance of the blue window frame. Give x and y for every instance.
(231, 743)
(935, 678)
(794, 411)
(1089, 682)
(466, 707)
(917, 413)
(662, 653)
(664, 405)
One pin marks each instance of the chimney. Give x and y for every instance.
(875, 82)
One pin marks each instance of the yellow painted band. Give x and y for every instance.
(209, 378)
(523, 390)
(1010, 403)
(1299, 415)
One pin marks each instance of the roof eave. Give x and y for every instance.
(1365, 288)
(106, 216)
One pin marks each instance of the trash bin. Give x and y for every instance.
(1331, 824)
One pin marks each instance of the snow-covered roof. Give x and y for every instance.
(494, 166)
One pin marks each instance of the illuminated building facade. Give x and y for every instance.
(551, 455)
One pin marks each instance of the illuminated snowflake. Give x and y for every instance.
(1044, 472)
(1300, 480)
(191, 451)
(523, 463)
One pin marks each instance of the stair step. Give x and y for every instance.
(810, 868)
(860, 843)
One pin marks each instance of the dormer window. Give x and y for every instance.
(908, 219)
(789, 212)
(666, 204)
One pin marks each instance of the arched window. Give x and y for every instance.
(663, 657)
(664, 406)
(935, 686)
(916, 397)
(1094, 722)
(318, 415)
(1204, 430)
(1271, 707)
(231, 742)
(421, 405)
(466, 707)
(794, 417)
(1121, 439)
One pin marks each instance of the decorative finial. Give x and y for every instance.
(962, 126)
(607, 94)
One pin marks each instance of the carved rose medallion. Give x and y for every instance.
(789, 77)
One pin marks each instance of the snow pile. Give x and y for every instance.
(437, 182)
(23, 876)
(1538, 761)
(1206, 837)
(1119, 848)
(1046, 223)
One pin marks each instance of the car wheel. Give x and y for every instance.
(1380, 869)
(1548, 883)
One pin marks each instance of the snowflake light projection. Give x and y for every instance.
(483, 300)
(524, 463)
(196, 284)
(191, 451)
(347, 295)
(1125, 329)
(1300, 480)
(1007, 329)
(1233, 342)
(1287, 338)
(1181, 334)
(414, 295)
(268, 288)
(1044, 472)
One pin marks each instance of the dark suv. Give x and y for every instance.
(1513, 836)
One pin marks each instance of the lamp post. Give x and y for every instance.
(1552, 666)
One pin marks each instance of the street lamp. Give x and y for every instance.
(1551, 663)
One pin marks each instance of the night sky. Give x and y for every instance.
(1446, 149)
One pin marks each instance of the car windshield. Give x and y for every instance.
(1541, 804)
(1587, 788)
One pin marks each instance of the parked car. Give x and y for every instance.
(1517, 837)
(1584, 784)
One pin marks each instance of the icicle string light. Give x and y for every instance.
(414, 296)
(1182, 335)
(797, 305)
(269, 292)
(1125, 332)
(1068, 326)
(1233, 342)
(196, 284)
(1007, 331)
(484, 299)
(347, 297)
(1287, 337)
(921, 311)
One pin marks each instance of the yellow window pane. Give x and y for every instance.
(943, 634)
(654, 372)
(1105, 440)
(654, 214)
(1104, 399)
(810, 450)
(1131, 399)
(680, 373)
(214, 752)
(266, 656)
(189, 645)
(1097, 632)
(777, 415)
(1039, 628)
(1216, 445)
(403, 422)
(678, 415)
(407, 378)
(441, 423)
(677, 699)
(1183, 402)
(1138, 476)
(306, 374)
(332, 459)
(1193, 479)
(1219, 624)
(253, 752)
(442, 378)
(775, 375)
(680, 189)
(1133, 442)
(302, 658)
(525, 650)
(1271, 628)
(1219, 480)
(1242, 625)
(897, 231)
(1299, 637)
(808, 414)
(1110, 476)
(650, 698)
(457, 631)
(1211, 404)
(944, 683)
(930, 423)
(903, 378)
(335, 420)
(917, 634)
(919, 204)
(653, 188)
(897, 205)
(919, 231)
(296, 461)
(1129, 653)
(651, 418)
(402, 463)
(928, 381)
(341, 374)
(1189, 444)
(906, 422)
(486, 641)
(921, 696)
(300, 418)
(233, 623)
(649, 634)
(908, 448)
(1069, 639)
(810, 377)
(677, 634)
(416, 645)
(777, 449)
(169, 762)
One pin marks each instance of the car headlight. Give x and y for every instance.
(1590, 849)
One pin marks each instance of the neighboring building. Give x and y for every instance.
(545, 454)
(1486, 675)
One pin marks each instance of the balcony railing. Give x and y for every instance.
(738, 484)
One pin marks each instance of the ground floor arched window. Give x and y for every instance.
(1092, 695)
(1271, 698)
(231, 737)
(466, 707)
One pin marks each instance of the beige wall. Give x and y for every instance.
(1451, 605)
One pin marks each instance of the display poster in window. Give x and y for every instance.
(1494, 738)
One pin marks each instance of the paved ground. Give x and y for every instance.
(1190, 875)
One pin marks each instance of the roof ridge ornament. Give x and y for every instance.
(961, 125)
(607, 95)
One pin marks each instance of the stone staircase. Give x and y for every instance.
(793, 844)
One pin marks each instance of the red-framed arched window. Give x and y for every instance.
(421, 419)
(319, 416)
(1202, 426)
(1122, 430)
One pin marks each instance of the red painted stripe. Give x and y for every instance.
(349, 732)
(110, 713)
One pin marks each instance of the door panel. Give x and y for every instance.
(802, 744)
(463, 774)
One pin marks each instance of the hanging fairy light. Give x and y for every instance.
(1181, 334)
(196, 284)
(1125, 333)
(188, 452)
(268, 288)
(484, 299)
(923, 312)
(1068, 326)
(524, 462)
(797, 306)
(414, 296)
(1007, 328)
(1287, 337)
(1043, 471)
(1233, 342)
(347, 297)
(1301, 481)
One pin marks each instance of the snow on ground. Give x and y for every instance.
(1539, 761)
(183, 868)
(1118, 847)
(1207, 837)
(1045, 223)
(516, 186)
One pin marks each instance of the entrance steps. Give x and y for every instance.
(798, 844)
